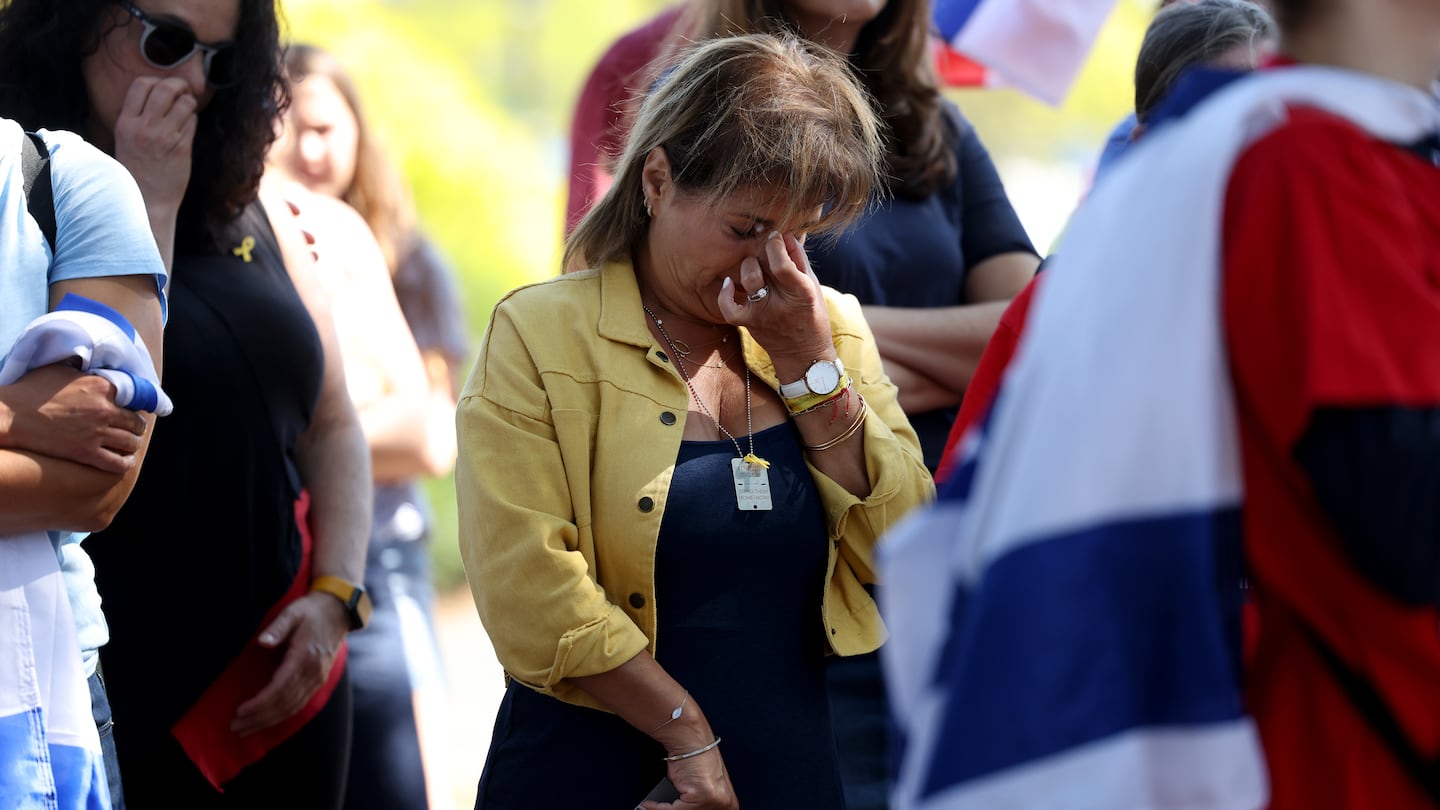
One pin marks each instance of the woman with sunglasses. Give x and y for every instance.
(225, 635)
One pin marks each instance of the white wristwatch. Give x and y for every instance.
(823, 377)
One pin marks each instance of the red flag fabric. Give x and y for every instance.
(204, 730)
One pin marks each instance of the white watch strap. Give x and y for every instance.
(791, 390)
(801, 387)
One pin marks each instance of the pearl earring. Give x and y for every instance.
(648, 212)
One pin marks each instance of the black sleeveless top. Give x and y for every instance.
(208, 540)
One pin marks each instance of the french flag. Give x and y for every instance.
(1065, 618)
(1037, 46)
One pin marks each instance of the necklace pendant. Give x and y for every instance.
(752, 485)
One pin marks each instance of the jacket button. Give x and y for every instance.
(662, 357)
(833, 631)
(667, 418)
(646, 504)
(637, 601)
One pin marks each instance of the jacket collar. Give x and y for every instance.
(620, 306)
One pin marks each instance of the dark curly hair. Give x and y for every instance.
(892, 56)
(42, 46)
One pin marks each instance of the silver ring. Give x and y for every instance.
(759, 295)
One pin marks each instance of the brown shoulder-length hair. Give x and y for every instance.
(738, 113)
(377, 190)
(894, 59)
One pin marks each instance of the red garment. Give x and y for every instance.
(597, 134)
(988, 373)
(204, 730)
(1331, 299)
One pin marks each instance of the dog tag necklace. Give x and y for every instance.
(750, 473)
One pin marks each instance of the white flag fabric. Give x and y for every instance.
(1064, 619)
(49, 749)
(1036, 46)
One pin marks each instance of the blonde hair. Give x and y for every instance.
(738, 113)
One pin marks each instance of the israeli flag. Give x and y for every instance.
(1064, 619)
(1036, 46)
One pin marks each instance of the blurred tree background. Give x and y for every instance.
(473, 100)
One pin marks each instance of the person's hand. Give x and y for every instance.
(59, 412)
(153, 137)
(790, 320)
(703, 784)
(311, 629)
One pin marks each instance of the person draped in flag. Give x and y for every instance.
(1227, 34)
(70, 458)
(1250, 431)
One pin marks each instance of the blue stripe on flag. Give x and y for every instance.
(79, 303)
(37, 776)
(79, 778)
(146, 398)
(1026, 642)
(950, 16)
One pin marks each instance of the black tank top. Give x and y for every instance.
(208, 539)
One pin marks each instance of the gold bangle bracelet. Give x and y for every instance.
(849, 431)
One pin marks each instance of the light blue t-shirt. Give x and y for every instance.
(101, 230)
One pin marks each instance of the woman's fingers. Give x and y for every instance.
(752, 277)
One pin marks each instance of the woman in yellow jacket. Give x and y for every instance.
(674, 466)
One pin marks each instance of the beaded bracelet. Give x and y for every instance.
(697, 752)
(843, 437)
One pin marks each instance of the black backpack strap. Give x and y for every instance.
(1372, 707)
(39, 197)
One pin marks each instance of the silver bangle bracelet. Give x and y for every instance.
(697, 752)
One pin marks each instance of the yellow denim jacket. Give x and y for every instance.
(569, 428)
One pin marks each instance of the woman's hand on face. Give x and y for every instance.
(790, 319)
(703, 783)
(153, 137)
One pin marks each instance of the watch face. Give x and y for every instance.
(822, 378)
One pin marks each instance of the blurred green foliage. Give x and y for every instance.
(473, 100)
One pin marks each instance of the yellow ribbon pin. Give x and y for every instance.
(751, 458)
(246, 245)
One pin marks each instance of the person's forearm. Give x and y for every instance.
(943, 343)
(335, 466)
(40, 493)
(644, 695)
(839, 430)
(397, 433)
(918, 393)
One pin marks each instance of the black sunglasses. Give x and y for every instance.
(168, 45)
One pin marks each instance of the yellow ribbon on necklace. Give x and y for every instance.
(751, 458)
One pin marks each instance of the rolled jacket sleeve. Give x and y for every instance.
(545, 612)
(899, 482)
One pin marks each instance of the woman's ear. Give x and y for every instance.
(655, 179)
